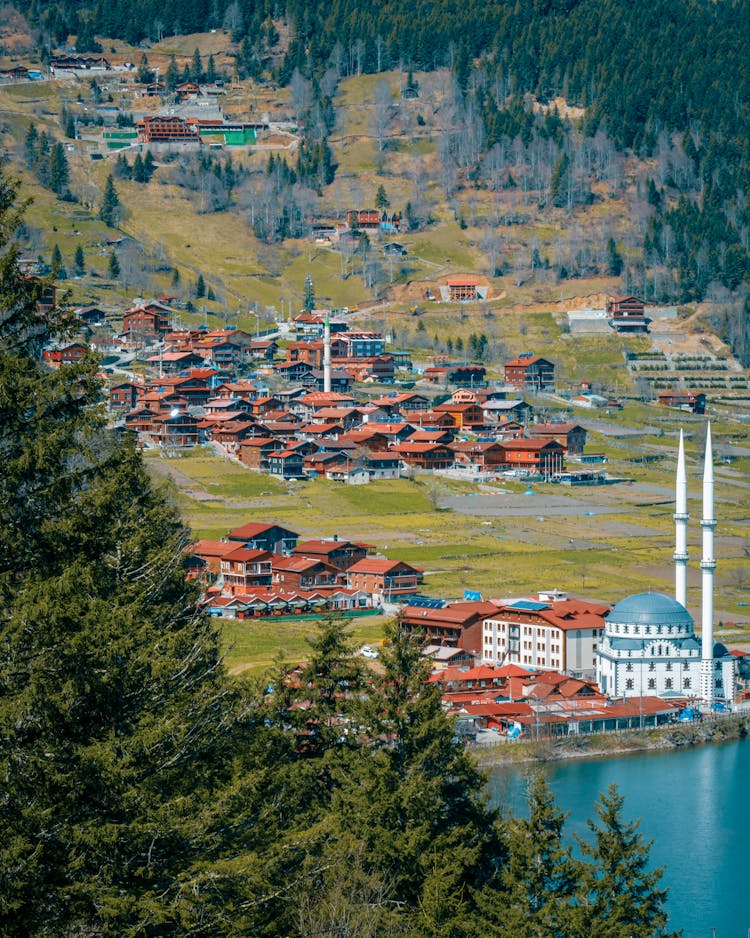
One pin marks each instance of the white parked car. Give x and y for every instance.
(368, 652)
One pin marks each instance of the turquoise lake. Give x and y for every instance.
(693, 804)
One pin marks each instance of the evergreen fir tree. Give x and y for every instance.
(196, 67)
(621, 895)
(149, 165)
(175, 276)
(172, 75)
(381, 199)
(59, 173)
(110, 209)
(120, 729)
(200, 287)
(139, 172)
(56, 257)
(113, 266)
(211, 70)
(80, 261)
(539, 882)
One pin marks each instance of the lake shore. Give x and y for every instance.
(603, 745)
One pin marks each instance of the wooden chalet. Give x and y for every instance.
(274, 538)
(337, 553)
(530, 372)
(571, 436)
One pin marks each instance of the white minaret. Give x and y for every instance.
(681, 523)
(327, 355)
(708, 564)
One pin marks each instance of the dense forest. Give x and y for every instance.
(147, 793)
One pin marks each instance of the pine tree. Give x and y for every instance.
(414, 802)
(120, 730)
(175, 276)
(113, 266)
(381, 199)
(172, 75)
(211, 70)
(620, 895)
(80, 261)
(139, 173)
(200, 287)
(111, 208)
(56, 258)
(196, 68)
(149, 165)
(539, 882)
(59, 173)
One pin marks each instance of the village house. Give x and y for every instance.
(254, 451)
(386, 580)
(338, 553)
(242, 569)
(692, 401)
(570, 436)
(305, 573)
(627, 314)
(538, 456)
(428, 456)
(145, 322)
(66, 354)
(274, 538)
(530, 372)
(286, 464)
(178, 430)
(123, 397)
(483, 457)
(457, 625)
(465, 416)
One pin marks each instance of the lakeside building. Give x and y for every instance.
(649, 644)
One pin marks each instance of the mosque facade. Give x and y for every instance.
(649, 646)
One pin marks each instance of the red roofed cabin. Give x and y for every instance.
(385, 579)
(458, 625)
(145, 321)
(67, 355)
(242, 569)
(296, 573)
(271, 537)
(544, 456)
(570, 436)
(684, 400)
(530, 371)
(463, 289)
(340, 554)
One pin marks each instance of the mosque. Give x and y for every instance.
(649, 646)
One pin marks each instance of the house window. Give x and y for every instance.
(686, 683)
(668, 683)
(669, 666)
(629, 684)
(652, 666)
(629, 666)
(651, 683)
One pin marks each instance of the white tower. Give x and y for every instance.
(327, 356)
(708, 565)
(681, 523)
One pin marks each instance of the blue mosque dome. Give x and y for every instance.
(650, 609)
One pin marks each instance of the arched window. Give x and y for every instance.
(651, 683)
(629, 684)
